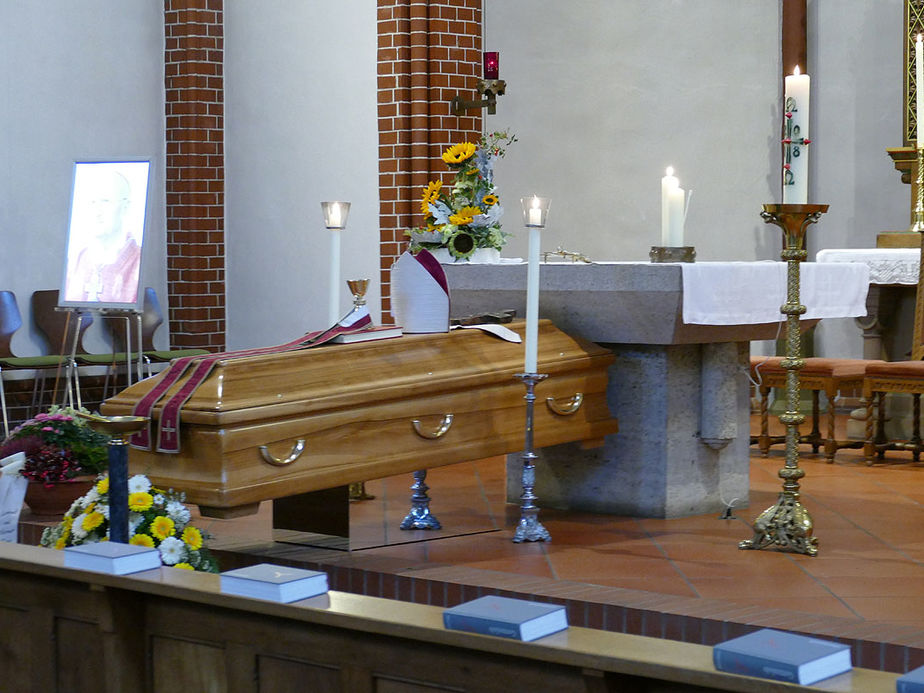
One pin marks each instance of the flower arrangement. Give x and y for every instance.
(467, 216)
(58, 447)
(156, 518)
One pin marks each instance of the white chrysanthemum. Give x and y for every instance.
(134, 519)
(178, 512)
(77, 528)
(159, 500)
(139, 484)
(91, 496)
(172, 551)
(103, 509)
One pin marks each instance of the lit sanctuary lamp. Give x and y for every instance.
(335, 219)
(535, 211)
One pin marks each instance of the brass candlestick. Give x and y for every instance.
(787, 524)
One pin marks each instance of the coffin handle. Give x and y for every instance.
(296, 452)
(565, 408)
(439, 432)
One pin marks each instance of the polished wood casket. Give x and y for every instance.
(368, 410)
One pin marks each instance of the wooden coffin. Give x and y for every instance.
(354, 406)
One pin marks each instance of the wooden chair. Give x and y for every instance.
(152, 317)
(830, 376)
(896, 377)
(10, 322)
(63, 330)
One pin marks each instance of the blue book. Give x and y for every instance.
(782, 656)
(112, 557)
(506, 618)
(274, 583)
(912, 682)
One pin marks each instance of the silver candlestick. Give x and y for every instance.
(529, 527)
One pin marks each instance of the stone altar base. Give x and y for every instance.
(682, 446)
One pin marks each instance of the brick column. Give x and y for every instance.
(193, 60)
(428, 51)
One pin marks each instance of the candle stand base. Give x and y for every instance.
(786, 525)
(529, 528)
(419, 516)
(660, 253)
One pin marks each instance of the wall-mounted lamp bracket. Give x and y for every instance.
(490, 88)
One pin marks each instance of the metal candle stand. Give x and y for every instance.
(529, 527)
(787, 524)
(118, 428)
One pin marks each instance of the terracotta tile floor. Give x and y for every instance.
(868, 520)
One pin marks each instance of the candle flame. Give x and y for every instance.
(796, 71)
(670, 171)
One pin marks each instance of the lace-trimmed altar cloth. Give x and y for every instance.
(886, 265)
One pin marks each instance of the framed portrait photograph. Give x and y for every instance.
(105, 234)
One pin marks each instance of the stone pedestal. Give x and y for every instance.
(680, 391)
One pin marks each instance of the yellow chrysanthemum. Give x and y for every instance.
(140, 501)
(464, 216)
(142, 540)
(92, 521)
(458, 153)
(162, 527)
(183, 566)
(489, 200)
(193, 538)
(430, 193)
(102, 486)
(89, 508)
(68, 522)
(61, 543)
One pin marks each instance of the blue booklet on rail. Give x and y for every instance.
(912, 682)
(504, 617)
(782, 656)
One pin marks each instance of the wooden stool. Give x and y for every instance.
(819, 375)
(892, 376)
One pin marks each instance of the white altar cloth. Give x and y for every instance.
(886, 265)
(748, 293)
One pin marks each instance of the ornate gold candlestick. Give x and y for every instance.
(786, 524)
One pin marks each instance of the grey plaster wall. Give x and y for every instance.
(79, 81)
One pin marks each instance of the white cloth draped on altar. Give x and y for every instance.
(746, 293)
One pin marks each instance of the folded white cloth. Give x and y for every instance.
(745, 293)
(420, 294)
(886, 265)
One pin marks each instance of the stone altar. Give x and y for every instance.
(679, 390)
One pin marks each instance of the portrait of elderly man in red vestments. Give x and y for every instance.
(107, 267)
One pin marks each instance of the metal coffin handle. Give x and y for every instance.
(565, 408)
(439, 432)
(296, 452)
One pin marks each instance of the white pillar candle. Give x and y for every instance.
(918, 88)
(532, 301)
(668, 182)
(333, 313)
(675, 214)
(796, 100)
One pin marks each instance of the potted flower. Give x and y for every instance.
(156, 518)
(464, 219)
(63, 457)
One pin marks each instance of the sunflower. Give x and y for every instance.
(430, 193)
(458, 153)
(140, 501)
(464, 216)
(461, 244)
(489, 200)
(162, 527)
(142, 540)
(192, 537)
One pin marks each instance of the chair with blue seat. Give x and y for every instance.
(10, 322)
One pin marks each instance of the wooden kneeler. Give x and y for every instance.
(819, 375)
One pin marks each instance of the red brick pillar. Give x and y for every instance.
(193, 59)
(428, 51)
